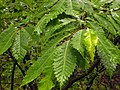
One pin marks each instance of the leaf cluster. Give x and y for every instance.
(62, 36)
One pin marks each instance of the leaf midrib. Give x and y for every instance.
(64, 58)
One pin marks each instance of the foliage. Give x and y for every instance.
(91, 41)
(64, 62)
(20, 46)
(7, 41)
(56, 37)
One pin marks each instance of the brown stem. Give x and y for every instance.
(77, 77)
(16, 63)
(91, 82)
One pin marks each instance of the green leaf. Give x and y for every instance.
(28, 1)
(86, 6)
(109, 54)
(19, 48)
(37, 68)
(77, 42)
(69, 7)
(51, 29)
(115, 4)
(105, 23)
(46, 83)
(76, 6)
(98, 3)
(116, 16)
(90, 41)
(6, 38)
(64, 62)
(113, 22)
(54, 12)
(29, 30)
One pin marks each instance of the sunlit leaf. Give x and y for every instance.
(90, 41)
(108, 53)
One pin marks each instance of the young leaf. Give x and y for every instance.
(109, 54)
(6, 38)
(90, 41)
(64, 62)
(19, 48)
(37, 68)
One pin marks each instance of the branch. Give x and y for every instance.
(16, 63)
(91, 82)
(77, 77)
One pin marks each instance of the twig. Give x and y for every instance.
(78, 77)
(91, 82)
(16, 63)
